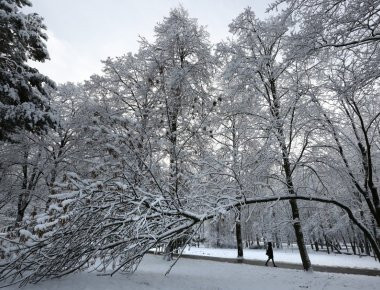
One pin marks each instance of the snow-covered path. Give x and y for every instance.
(194, 274)
(291, 256)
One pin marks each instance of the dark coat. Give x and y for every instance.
(270, 251)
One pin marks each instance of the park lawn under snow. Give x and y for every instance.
(291, 256)
(196, 274)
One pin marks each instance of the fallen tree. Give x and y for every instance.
(107, 226)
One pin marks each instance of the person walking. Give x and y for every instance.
(269, 253)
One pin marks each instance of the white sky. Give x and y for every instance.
(83, 32)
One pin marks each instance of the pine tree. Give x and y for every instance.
(24, 101)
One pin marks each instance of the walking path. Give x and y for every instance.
(317, 268)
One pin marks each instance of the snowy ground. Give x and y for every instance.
(292, 256)
(195, 274)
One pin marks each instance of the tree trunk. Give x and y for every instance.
(353, 246)
(239, 240)
(275, 110)
(327, 244)
(295, 211)
(168, 256)
(344, 243)
(218, 233)
(299, 236)
(367, 247)
(23, 198)
(28, 185)
(21, 206)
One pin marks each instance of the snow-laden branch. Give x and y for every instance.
(115, 233)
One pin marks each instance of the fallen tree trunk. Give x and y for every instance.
(100, 232)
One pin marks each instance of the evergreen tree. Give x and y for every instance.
(24, 101)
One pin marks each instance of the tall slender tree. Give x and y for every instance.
(257, 60)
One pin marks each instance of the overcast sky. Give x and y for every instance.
(83, 32)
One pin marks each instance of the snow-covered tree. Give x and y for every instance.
(257, 62)
(182, 58)
(38, 161)
(333, 23)
(24, 102)
(342, 37)
(349, 112)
